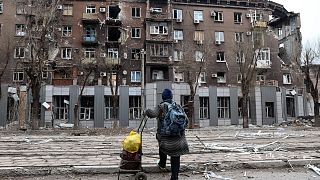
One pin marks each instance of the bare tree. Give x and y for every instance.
(3, 67)
(193, 67)
(311, 70)
(38, 35)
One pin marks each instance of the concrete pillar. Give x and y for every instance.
(196, 113)
(99, 106)
(42, 108)
(74, 94)
(284, 104)
(3, 105)
(213, 99)
(124, 106)
(234, 105)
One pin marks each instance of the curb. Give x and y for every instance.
(60, 170)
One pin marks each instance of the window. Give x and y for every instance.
(198, 15)
(221, 77)
(178, 35)
(280, 32)
(221, 57)
(109, 108)
(178, 77)
(218, 16)
(269, 109)
(287, 79)
(223, 107)
(260, 77)
(238, 36)
(157, 75)
(263, 58)
(113, 53)
(177, 14)
(204, 108)
(136, 32)
(158, 28)
(202, 78)
(135, 76)
(89, 53)
(240, 57)
(90, 34)
(91, 9)
(66, 53)
(1, 7)
(256, 16)
(136, 12)
(199, 56)
(134, 107)
(18, 76)
(21, 8)
(61, 107)
(136, 54)
(177, 55)
(239, 77)
(19, 52)
(0, 29)
(67, 10)
(198, 36)
(160, 50)
(237, 17)
(20, 30)
(66, 31)
(219, 36)
(258, 39)
(290, 106)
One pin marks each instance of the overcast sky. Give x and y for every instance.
(309, 14)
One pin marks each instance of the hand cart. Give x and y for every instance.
(131, 162)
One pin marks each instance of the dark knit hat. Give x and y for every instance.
(166, 94)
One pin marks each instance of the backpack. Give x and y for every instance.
(175, 120)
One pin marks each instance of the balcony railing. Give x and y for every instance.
(90, 18)
(112, 61)
(267, 83)
(89, 39)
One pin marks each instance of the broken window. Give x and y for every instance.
(66, 53)
(61, 109)
(199, 56)
(177, 14)
(202, 78)
(66, 31)
(280, 32)
(260, 77)
(109, 108)
(87, 108)
(113, 53)
(21, 8)
(91, 9)
(160, 50)
(237, 17)
(114, 34)
(134, 107)
(90, 34)
(158, 28)
(136, 12)
(263, 57)
(221, 57)
(221, 77)
(239, 77)
(287, 79)
(18, 76)
(218, 16)
(204, 108)
(1, 7)
(136, 54)
(67, 10)
(269, 109)
(157, 75)
(20, 30)
(89, 53)
(178, 76)
(223, 106)
(114, 12)
(240, 57)
(290, 106)
(238, 36)
(136, 32)
(177, 55)
(135, 76)
(19, 52)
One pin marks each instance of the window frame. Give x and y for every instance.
(199, 56)
(287, 78)
(223, 107)
(221, 79)
(18, 50)
(218, 16)
(136, 12)
(89, 53)
(18, 76)
(238, 37)
(1, 7)
(135, 76)
(91, 9)
(178, 34)
(198, 15)
(177, 14)
(67, 10)
(113, 53)
(236, 17)
(66, 31)
(66, 53)
(137, 52)
(135, 110)
(219, 55)
(203, 107)
(269, 109)
(219, 37)
(160, 28)
(134, 33)
(159, 50)
(20, 30)
(177, 55)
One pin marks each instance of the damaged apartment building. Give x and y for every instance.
(102, 46)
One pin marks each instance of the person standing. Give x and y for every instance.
(173, 146)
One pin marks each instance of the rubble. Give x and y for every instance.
(314, 168)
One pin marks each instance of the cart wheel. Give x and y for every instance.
(140, 176)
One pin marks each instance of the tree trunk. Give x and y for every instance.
(244, 111)
(35, 120)
(76, 116)
(190, 114)
(316, 114)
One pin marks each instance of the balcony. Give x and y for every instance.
(260, 24)
(90, 18)
(89, 39)
(267, 83)
(87, 61)
(112, 61)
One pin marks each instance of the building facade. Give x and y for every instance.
(102, 46)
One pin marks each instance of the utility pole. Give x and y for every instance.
(142, 81)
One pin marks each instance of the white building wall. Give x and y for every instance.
(300, 106)
(279, 107)
(258, 105)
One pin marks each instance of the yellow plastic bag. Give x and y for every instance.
(132, 142)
